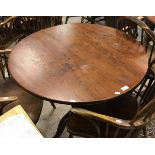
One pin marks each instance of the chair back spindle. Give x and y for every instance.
(140, 31)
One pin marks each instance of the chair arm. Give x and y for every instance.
(108, 119)
(141, 18)
(8, 99)
(5, 51)
(7, 20)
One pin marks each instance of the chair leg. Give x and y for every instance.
(2, 69)
(144, 132)
(92, 19)
(6, 64)
(67, 17)
(8, 71)
(62, 125)
(53, 105)
(2, 72)
(82, 19)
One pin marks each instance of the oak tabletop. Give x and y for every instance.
(78, 63)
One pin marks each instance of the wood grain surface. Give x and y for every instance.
(78, 63)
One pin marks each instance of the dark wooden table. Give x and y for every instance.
(78, 63)
(150, 21)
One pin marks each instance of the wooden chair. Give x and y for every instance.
(32, 24)
(87, 123)
(86, 19)
(111, 21)
(122, 114)
(56, 20)
(128, 26)
(2, 67)
(138, 30)
(9, 33)
(91, 19)
(30, 103)
(4, 62)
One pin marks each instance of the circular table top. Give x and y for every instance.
(76, 63)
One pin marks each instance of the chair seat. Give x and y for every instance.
(124, 107)
(30, 103)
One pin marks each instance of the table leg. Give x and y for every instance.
(53, 105)
(62, 125)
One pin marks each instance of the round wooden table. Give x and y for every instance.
(78, 63)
